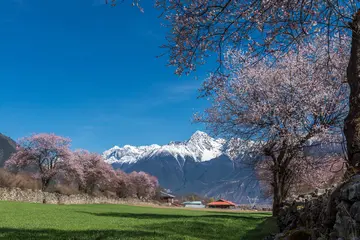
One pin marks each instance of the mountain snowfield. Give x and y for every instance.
(200, 147)
(201, 165)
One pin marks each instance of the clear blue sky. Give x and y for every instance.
(87, 71)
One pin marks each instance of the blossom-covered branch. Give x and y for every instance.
(260, 27)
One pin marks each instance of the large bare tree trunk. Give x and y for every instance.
(278, 197)
(276, 201)
(44, 184)
(352, 121)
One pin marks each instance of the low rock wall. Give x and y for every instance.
(37, 196)
(326, 214)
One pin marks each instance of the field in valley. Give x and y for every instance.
(39, 221)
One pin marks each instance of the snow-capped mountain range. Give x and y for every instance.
(200, 147)
(201, 165)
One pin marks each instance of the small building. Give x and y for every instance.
(221, 203)
(193, 204)
(167, 197)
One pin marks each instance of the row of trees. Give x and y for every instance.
(48, 158)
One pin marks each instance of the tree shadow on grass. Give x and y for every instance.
(209, 226)
(265, 228)
(14, 233)
(208, 230)
(197, 229)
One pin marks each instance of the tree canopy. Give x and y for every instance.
(282, 108)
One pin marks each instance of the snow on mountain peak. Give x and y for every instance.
(128, 146)
(204, 146)
(200, 147)
(115, 147)
(127, 154)
(199, 134)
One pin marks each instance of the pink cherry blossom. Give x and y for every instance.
(280, 107)
(124, 187)
(145, 185)
(46, 155)
(307, 174)
(199, 28)
(96, 173)
(205, 29)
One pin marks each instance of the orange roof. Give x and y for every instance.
(222, 202)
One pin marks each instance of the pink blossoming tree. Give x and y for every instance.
(266, 28)
(281, 107)
(124, 187)
(145, 184)
(47, 155)
(96, 173)
(306, 173)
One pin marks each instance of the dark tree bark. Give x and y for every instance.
(280, 183)
(277, 199)
(352, 121)
(44, 183)
(281, 180)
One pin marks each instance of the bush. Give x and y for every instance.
(20, 180)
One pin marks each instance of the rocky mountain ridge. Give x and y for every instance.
(201, 165)
(7, 147)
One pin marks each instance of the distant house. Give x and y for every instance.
(221, 203)
(166, 197)
(193, 204)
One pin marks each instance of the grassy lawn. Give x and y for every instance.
(38, 221)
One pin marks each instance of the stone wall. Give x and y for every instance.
(37, 196)
(324, 214)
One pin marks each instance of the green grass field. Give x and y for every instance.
(40, 221)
